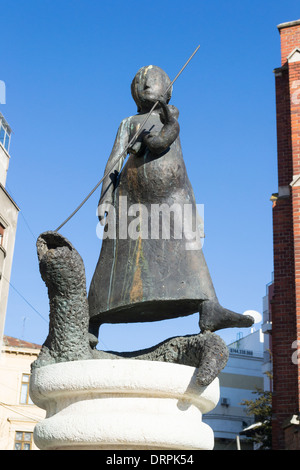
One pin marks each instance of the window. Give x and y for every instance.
(24, 397)
(2, 228)
(2, 135)
(5, 137)
(23, 440)
(6, 143)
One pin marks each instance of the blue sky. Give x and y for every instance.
(68, 66)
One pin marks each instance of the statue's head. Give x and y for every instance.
(149, 84)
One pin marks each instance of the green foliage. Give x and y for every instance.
(261, 409)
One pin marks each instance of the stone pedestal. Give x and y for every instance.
(122, 405)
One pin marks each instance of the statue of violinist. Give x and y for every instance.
(142, 275)
(141, 278)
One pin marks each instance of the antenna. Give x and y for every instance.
(23, 327)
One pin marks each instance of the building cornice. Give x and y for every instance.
(19, 351)
(289, 24)
(9, 197)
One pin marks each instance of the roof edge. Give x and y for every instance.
(9, 197)
(289, 24)
(10, 341)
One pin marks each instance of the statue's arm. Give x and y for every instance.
(158, 143)
(113, 167)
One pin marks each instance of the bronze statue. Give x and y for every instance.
(148, 269)
(141, 278)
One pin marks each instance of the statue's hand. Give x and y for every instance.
(164, 112)
(158, 143)
(137, 148)
(168, 113)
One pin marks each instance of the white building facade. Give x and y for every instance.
(18, 415)
(8, 223)
(267, 330)
(238, 380)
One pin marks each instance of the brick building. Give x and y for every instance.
(286, 242)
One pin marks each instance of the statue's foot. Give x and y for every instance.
(93, 334)
(93, 340)
(215, 317)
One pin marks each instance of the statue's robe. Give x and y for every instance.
(147, 279)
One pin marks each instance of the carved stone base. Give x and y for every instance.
(122, 404)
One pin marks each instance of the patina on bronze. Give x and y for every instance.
(146, 279)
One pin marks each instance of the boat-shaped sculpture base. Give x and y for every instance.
(122, 405)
